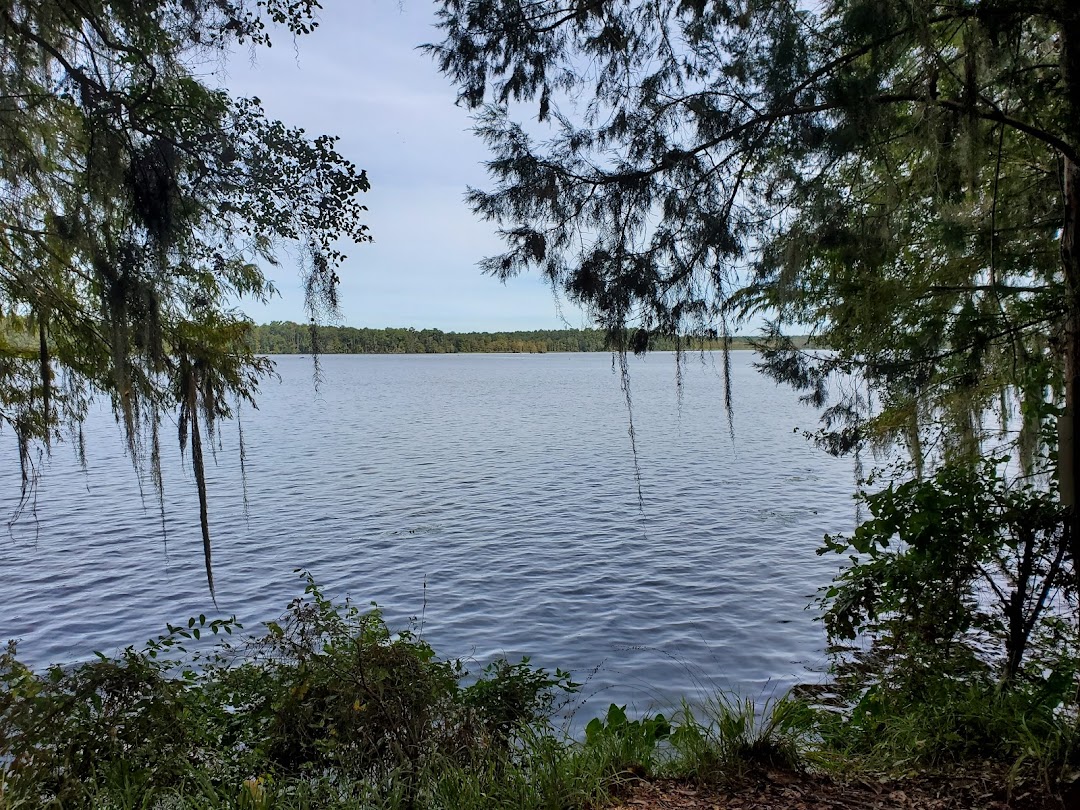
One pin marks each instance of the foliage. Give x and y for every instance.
(741, 736)
(508, 696)
(331, 709)
(130, 718)
(961, 590)
(951, 715)
(336, 689)
(285, 337)
(328, 690)
(926, 248)
(892, 175)
(724, 739)
(957, 559)
(630, 747)
(136, 205)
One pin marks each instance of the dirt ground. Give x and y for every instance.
(788, 791)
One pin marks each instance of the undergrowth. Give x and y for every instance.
(330, 708)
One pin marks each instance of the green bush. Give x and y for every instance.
(132, 718)
(962, 588)
(960, 563)
(329, 707)
(736, 736)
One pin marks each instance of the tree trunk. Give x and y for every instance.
(1068, 457)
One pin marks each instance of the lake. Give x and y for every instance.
(493, 496)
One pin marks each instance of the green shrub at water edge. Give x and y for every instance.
(331, 709)
(954, 714)
(329, 695)
(962, 589)
(721, 740)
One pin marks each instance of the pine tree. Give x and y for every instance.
(898, 175)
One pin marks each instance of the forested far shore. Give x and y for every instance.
(287, 337)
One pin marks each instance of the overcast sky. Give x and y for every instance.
(359, 76)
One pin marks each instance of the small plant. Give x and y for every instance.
(737, 736)
(628, 748)
(508, 698)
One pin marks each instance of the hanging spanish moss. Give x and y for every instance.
(137, 205)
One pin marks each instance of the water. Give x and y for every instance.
(493, 496)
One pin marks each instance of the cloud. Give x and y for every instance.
(359, 76)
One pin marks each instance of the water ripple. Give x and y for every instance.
(494, 496)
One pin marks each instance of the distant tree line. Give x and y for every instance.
(17, 338)
(286, 337)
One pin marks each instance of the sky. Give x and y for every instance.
(359, 76)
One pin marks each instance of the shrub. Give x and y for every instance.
(328, 701)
